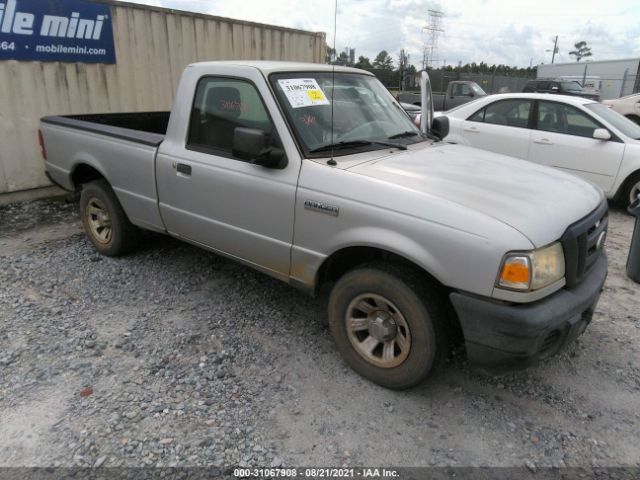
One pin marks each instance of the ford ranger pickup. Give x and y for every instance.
(314, 174)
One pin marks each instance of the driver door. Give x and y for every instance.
(210, 197)
(460, 94)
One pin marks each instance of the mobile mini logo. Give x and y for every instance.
(14, 21)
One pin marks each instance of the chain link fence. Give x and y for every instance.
(611, 86)
(614, 86)
(490, 83)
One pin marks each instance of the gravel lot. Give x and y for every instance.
(174, 356)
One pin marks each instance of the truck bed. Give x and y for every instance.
(148, 128)
(415, 98)
(121, 147)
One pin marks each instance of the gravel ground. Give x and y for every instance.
(173, 356)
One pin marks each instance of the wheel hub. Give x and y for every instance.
(382, 327)
(634, 193)
(377, 330)
(98, 220)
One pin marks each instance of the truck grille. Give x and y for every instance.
(583, 242)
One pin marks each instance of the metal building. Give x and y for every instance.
(152, 47)
(617, 77)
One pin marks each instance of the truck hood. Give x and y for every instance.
(538, 201)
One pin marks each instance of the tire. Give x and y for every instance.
(630, 190)
(104, 221)
(368, 304)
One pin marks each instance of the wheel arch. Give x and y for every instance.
(85, 171)
(624, 185)
(346, 258)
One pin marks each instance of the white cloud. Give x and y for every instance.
(493, 31)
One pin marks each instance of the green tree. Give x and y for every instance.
(330, 55)
(383, 61)
(581, 50)
(363, 62)
(343, 59)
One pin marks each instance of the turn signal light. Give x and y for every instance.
(516, 273)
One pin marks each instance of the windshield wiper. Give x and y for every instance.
(404, 134)
(413, 134)
(356, 143)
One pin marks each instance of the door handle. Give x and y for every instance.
(183, 168)
(471, 129)
(543, 141)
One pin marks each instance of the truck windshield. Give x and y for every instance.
(365, 115)
(477, 89)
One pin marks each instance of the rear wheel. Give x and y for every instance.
(104, 221)
(386, 322)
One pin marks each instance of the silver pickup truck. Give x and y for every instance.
(458, 93)
(316, 176)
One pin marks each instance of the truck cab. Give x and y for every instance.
(458, 93)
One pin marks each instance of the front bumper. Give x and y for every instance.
(501, 336)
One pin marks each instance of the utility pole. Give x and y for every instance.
(555, 49)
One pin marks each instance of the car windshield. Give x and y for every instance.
(365, 115)
(571, 86)
(622, 123)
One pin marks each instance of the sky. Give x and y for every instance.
(517, 32)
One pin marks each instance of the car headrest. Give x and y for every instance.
(223, 101)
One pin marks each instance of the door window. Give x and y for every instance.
(220, 106)
(560, 118)
(513, 113)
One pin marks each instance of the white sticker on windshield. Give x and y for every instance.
(303, 92)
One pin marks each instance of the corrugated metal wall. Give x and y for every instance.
(153, 46)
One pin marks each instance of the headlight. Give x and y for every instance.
(532, 270)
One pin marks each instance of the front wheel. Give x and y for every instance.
(386, 323)
(630, 191)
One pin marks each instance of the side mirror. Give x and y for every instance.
(254, 145)
(601, 134)
(440, 127)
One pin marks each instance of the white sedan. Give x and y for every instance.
(574, 134)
